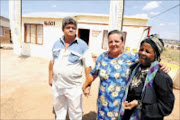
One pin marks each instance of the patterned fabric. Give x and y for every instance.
(139, 77)
(148, 82)
(113, 73)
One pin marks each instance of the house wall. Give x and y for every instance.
(95, 36)
(95, 24)
(4, 24)
(135, 29)
(93, 19)
(134, 36)
(50, 35)
(135, 21)
(5, 38)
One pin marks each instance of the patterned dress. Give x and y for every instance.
(113, 73)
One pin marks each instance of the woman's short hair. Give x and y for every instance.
(68, 20)
(118, 32)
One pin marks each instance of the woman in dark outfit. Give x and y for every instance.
(149, 94)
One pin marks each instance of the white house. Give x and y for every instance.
(41, 30)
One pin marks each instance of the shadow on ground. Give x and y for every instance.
(89, 116)
(24, 56)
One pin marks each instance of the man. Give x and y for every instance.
(69, 55)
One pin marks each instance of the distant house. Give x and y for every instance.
(41, 30)
(173, 44)
(4, 30)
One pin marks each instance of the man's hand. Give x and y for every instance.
(129, 105)
(86, 90)
(50, 81)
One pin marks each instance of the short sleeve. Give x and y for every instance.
(134, 58)
(51, 57)
(95, 70)
(87, 59)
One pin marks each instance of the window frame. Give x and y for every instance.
(36, 33)
(103, 40)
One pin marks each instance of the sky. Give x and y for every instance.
(167, 24)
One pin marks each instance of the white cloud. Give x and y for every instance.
(161, 24)
(154, 13)
(152, 5)
(54, 6)
(173, 23)
(144, 16)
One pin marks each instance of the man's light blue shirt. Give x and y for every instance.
(68, 65)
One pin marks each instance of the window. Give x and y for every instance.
(1, 31)
(33, 33)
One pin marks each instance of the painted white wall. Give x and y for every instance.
(50, 35)
(135, 21)
(134, 36)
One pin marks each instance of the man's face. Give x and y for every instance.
(70, 30)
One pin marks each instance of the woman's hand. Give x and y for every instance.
(129, 105)
(164, 68)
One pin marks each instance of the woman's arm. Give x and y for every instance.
(164, 68)
(89, 79)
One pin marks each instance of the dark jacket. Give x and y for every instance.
(158, 101)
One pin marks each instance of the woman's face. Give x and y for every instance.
(115, 43)
(146, 54)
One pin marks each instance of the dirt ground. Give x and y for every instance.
(25, 93)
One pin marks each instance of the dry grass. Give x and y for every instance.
(171, 56)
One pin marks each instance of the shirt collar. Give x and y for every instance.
(62, 39)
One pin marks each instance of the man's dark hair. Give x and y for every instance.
(68, 20)
(118, 32)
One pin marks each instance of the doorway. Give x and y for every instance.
(84, 34)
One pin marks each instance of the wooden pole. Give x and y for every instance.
(116, 14)
(15, 14)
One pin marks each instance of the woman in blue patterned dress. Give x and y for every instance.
(113, 68)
